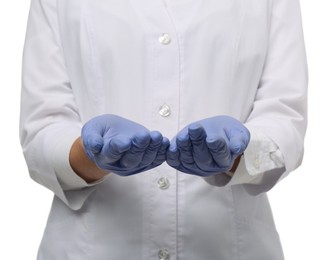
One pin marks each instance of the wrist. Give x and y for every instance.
(234, 166)
(82, 165)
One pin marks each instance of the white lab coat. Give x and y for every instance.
(163, 64)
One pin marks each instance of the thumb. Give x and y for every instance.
(92, 136)
(238, 140)
(93, 143)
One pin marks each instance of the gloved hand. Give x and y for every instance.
(208, 146)
(122, 146)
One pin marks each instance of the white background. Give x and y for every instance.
(299, 202)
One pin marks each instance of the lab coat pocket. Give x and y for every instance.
(257, 240)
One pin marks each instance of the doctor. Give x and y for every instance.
(160, 125)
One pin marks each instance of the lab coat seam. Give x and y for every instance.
(149, 39)
(60, 45)
(235, 224)
(62, 51)
(177, 210)
(58, 41)
(181, 53)
(237, 44)
(93, 60)
(152, 102)
(44, 12)
(267, 44)
(89, 231)
(151, 221)
(92, 41)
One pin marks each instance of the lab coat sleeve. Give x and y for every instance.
(278, 120)
(280, 106)
(49, 121)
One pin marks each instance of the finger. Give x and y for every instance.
(133, 156)
(238, 141)
(161, 154)
(115, 148)
(173, 159)
(150, 154)
(201, 154)
(172, 155)
(185, 149)
(93, 143)
(220, 151)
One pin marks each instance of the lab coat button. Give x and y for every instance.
(164, 110)
(164, 39)
(163, 183)
(163, 254)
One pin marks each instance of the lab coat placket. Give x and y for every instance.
(163, 87)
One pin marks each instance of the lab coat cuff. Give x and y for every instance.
(67, 178)
(261, 156)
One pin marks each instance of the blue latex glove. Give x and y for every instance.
(208, 146)
(122, 146)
